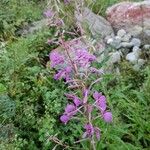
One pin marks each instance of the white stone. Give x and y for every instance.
(132, 57)
(126, 38)
(139, 64)
(136, 49)
(126, 44)
(109, 41)
(147, 47)
(121, 33)
(115, 57)
(136, 42)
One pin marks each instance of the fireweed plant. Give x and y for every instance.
(75, 67)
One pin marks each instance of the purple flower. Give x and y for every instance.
(59, 22)
(56, 59)
(107, 116)
(48, 13)
(96, 71)
(65, 73)
(84, 58)
(70, 110)
(100, 101)
(97, 95)
(89, 130)
(75, 99)
(85, 96)
(59, 75)
(64, 119)
(67, 1)
(97, 132)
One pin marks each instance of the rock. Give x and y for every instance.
(136, 42)
(133, 17)
(126, 38)
(147, 47)
(35, 26)
(139, 64)
(126, 44)
(109, 41)
(121, 33)
(114, 42)
(132, 57)
(136, 49)
(98, 25)
(115, 57)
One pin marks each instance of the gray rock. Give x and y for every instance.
(139, 64)
(126, 38)
(115, 57)
(136, 42)
(34, 27)
(126, 44)
(132, 57)
(98, 25)
(147, 47)
(109, 41)
(136, 49)
(121, 33)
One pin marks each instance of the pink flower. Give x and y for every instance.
(100, 101)
(107, 116)
(70, 110)
(97, 132)
(85, 96)
(48, 13)
(67, 1)
(96, 71)
(64, 119)
(89, 130)
(75, 99)
(65, 74)
(84, 58)
(56, 59)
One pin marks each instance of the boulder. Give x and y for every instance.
(133, 17)
(98, 25)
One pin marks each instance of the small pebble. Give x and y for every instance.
(115, 57)
(135, 49)
(141, 62)
(132, 57)
(109, 41)
(121, 33)
(126, 38)
(126, 44)
(116, 43)
(147, 47)
(136, 42)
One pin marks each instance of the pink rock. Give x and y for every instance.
(134, 17)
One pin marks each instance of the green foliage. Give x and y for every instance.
(15, 14)
(100, 6)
